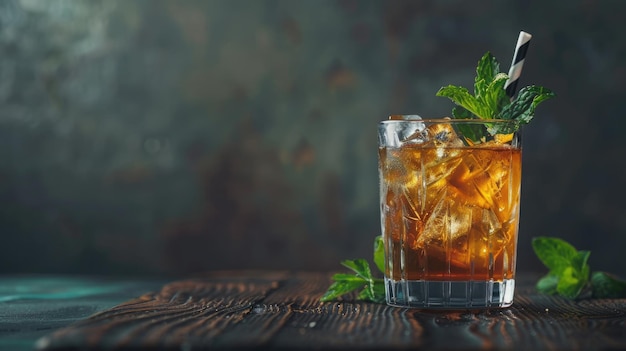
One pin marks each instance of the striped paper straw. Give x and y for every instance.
(518, 62)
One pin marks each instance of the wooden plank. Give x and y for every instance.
(339, 324)
(282, 310)
(190, 312)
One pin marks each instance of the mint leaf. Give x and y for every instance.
(374, 292)
(547, 284)
(555, 253)
(379, 253)
(340, 288)
(569, 271)
(362, 270)
(570, 283)
(605, 285)
(360, 267)
(487, 68)
(473, 132)
(348, 278)
(494, 98)
(462, 97)
(580, 264)
(373, 289)
(379, 290)
(522, 109)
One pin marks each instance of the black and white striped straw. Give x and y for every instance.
(523, 41)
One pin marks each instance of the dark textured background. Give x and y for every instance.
(169, 137)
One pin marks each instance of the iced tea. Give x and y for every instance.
(449, 213)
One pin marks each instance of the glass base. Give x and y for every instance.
(449, 294)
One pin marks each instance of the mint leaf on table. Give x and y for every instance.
(605, 285)
(373, 289)
(547, 284)
(554, 253)
(569, 271)
(343, 284)
(360, 267)
(571, 283)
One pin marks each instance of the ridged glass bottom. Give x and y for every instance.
(449, 294)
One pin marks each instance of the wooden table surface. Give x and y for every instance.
(281, 310)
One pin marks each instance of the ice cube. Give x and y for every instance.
(488, 236)
(443, 135)
(435, 222)
(480, 179)
(449, 217)
(402, 132)
(490, 222)
(463, 230)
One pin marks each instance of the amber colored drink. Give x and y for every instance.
(449, 213)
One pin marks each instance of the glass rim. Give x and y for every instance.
(446, 120)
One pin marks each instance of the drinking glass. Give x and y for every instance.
(450, 205)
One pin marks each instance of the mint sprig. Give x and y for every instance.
(606, 285)
(491, 102)
(372, 289)
(569, 271)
